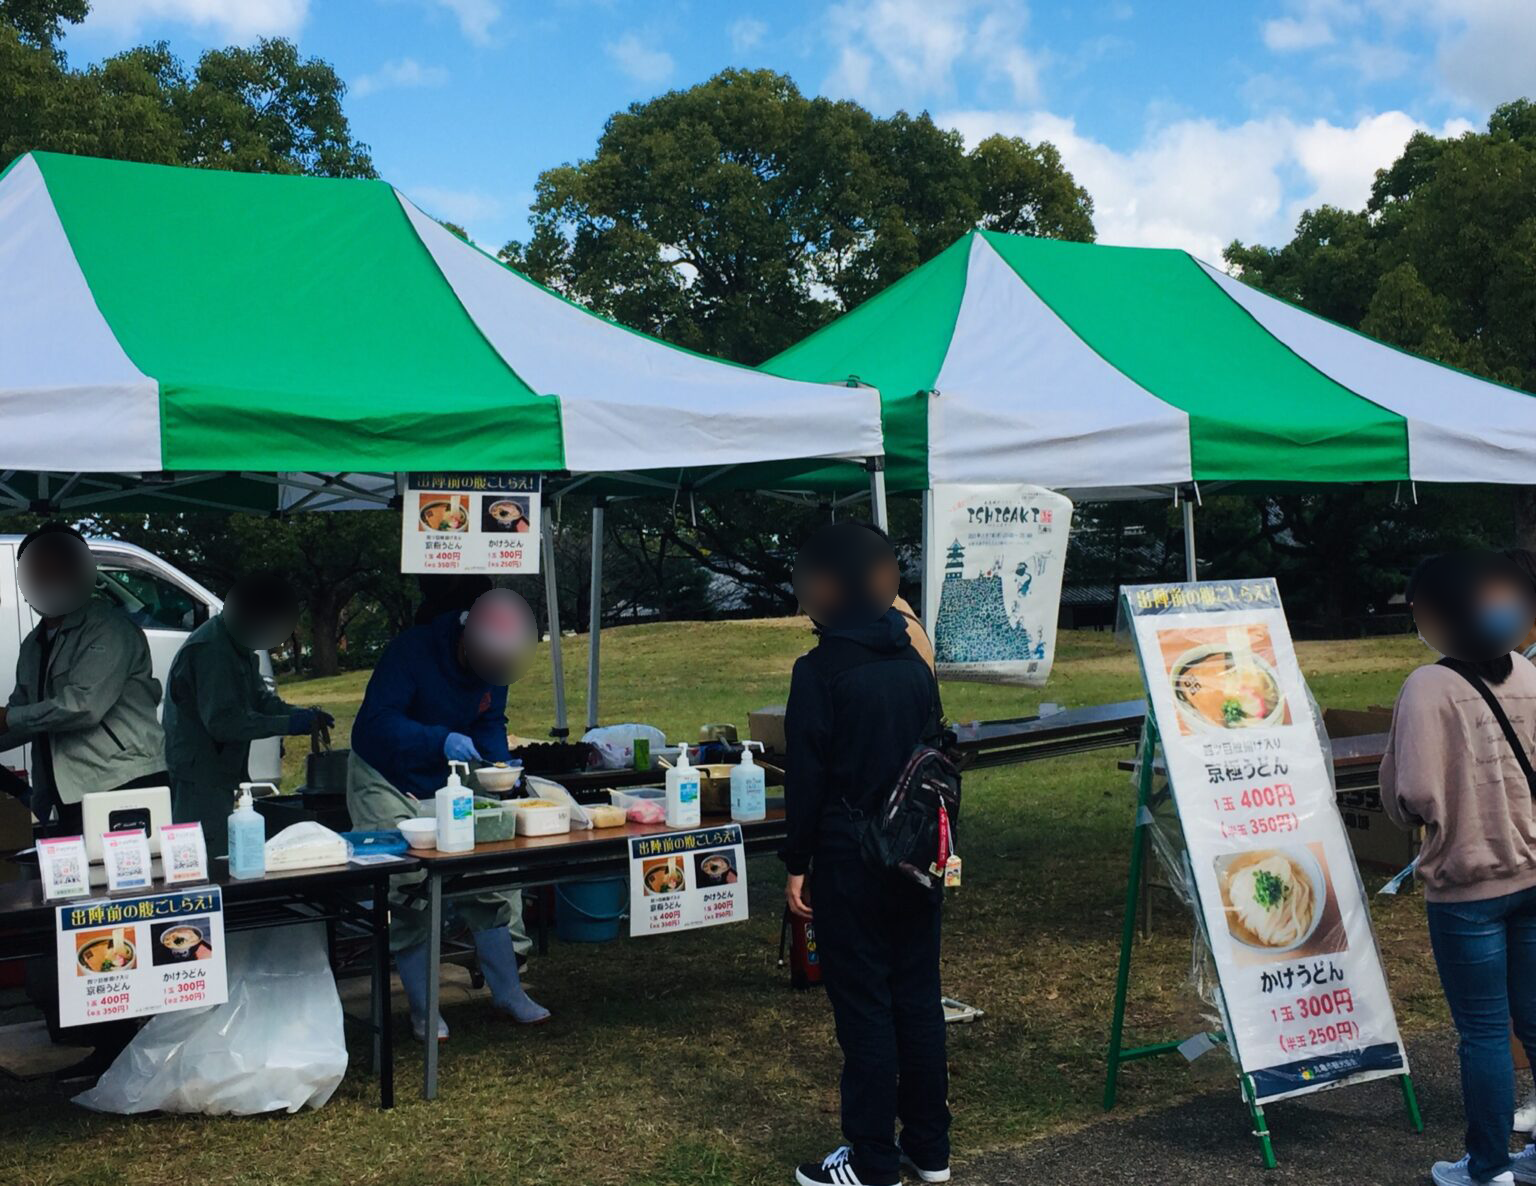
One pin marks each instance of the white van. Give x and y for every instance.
(164, 601)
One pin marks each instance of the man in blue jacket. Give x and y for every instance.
(439, 694)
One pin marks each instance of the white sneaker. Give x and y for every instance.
(419, 1028)
(1525, 1118)
(934, 1175)
(1454, 1173)
(1523, 1165)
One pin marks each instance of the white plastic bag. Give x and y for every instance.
(275, 1045)
(616, 743)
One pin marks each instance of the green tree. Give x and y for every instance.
(738, 215)
(41, 22)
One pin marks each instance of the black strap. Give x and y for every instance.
(1468, 673)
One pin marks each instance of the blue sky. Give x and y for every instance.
(1190, 121)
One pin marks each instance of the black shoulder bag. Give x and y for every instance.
(1467, 673)
(913, 831)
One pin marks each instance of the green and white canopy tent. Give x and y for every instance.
(180, 338)
(1123, 372)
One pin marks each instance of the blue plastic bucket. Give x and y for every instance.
(591, 911)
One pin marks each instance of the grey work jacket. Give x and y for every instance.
(96, 703)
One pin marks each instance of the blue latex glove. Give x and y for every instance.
(300, 721)
(459, 748)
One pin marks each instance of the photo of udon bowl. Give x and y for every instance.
(181, 942)
(1274, 898)
(1217, 689)
(508, 514)
(444, 514)
(107, 954)
(663, 876)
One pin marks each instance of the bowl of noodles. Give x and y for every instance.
(1216, 687)
(1273, 898)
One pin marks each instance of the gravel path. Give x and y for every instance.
(1358, 1136)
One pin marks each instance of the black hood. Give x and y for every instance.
(887, 633)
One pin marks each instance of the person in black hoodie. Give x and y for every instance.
(859, 703)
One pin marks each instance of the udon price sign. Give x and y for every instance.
(1281, 901)
(470, 522)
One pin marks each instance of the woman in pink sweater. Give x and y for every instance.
(1458, 764)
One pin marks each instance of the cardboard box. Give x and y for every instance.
(767, 726)
(1379, 844)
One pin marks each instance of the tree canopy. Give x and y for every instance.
(738, 215)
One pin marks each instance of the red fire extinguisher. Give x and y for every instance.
(799, 934)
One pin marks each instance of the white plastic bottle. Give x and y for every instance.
(749, 788)
(455, 813)
(682, 793)
(247, 837)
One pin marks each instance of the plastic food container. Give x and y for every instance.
(419, 833)
(603, 816)
(494, 823)
(541, 817)
(627, 799)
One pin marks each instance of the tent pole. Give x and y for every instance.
(552, 611)
(595, 615)
(1189, 538)
(877, 493)
(930, 605)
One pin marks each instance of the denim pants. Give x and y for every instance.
(1486, 953)
(878, 939)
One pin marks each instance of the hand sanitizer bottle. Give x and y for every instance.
(682, 793)
(455, 813)
(749, 793)
(247, 837)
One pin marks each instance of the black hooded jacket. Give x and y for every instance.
(859, 703)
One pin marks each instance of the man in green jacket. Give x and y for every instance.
(216, 702)
(85, 694)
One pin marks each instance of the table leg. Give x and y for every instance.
(434, 977)
(383, 1029)
(546, 896)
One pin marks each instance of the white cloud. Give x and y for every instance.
(237, 20)
(891, 51)
(475, 17)
(401, 73)
(1486, 49)
(747, 34)
(1199, 184)
(469, 208)
(1285, 34)
(638, 59)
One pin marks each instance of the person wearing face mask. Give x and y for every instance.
(216, 702)
(85, 694)
(439, 694)
(859, 704)
(1458, 764)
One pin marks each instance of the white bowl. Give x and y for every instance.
(1304, 859)
(1187, 712)
(419, 833)
(498, 779)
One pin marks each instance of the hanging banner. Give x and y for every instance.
(132, 957)
(993, 580)
(1271, 867)
(682, 880)
(470, 522)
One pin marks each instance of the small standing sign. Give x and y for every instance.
(64, 866)
(132, 957)
(470, 522)
(682, 880)
(126, 855)
(183, 854)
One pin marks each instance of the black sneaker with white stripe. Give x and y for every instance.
(836, 1169)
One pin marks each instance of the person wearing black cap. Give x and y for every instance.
(859, 704)
(216, 702)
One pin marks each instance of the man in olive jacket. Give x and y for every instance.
(85, 695)
(216, 703)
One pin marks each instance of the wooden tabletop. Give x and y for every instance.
(570, 843)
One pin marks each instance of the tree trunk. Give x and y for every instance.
(1525, 517)
(324, 629)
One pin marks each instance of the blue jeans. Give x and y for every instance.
(1486, 953)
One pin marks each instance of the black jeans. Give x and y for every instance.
(879, 944)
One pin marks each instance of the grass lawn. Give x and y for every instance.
(688, 1059)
